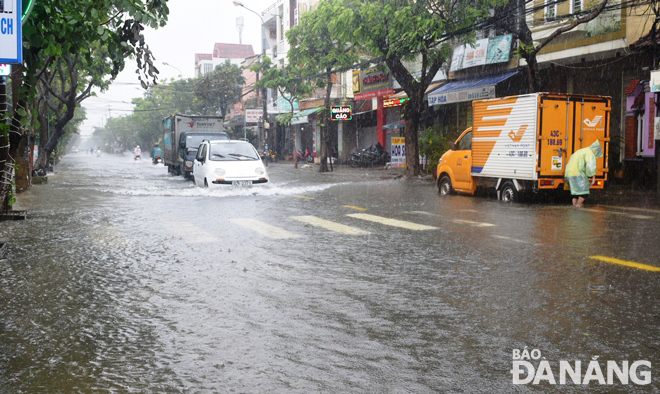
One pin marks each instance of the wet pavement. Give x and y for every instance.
(127, 279)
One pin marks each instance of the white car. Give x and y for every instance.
(222, 162)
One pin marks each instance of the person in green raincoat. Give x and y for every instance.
(582, 166)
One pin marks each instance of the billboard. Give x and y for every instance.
(485, 51)
(371, 83)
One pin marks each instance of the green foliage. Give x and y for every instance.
(433, 142)
(220, 89)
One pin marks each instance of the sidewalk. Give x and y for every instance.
(622, 195)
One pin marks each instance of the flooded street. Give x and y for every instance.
(127, 279)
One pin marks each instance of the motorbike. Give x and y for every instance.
(304, 157)
(157, 159)
(375, 155)
(98, 153)
(137, 157)
(268, 156)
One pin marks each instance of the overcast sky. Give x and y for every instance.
(194, 26)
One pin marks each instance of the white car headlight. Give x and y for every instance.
(219, 172)
(259, 171)
(188, 163)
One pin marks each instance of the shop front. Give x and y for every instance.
(639, 139)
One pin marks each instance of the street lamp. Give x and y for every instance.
(263, 90)
(177, 68)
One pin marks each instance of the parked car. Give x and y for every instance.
(233, 163)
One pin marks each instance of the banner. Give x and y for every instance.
(398, 152)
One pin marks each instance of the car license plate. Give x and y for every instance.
(241, 183)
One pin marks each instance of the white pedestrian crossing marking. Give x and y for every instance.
(391, 222)
(459, 221)
(473, 223)
(329, 225)
(264, 229)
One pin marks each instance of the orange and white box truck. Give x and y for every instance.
(521, 144)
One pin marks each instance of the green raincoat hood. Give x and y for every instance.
(595, 147)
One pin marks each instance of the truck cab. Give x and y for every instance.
(454, 167)
(189, 143)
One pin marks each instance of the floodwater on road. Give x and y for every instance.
(127, 279)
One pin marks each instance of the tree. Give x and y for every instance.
(220, 89)
(57, 28)
(319, 48)
(515, 22)
(64, 86)
(399, 32)
(290, 85)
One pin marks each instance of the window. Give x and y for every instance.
(208, 67)
(576, 6)
(550, 10)
(466, 142)
(201, 155)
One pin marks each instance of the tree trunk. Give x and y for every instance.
(533, 75)
(410, 132)
(294, 150)
(15, 138)
(324, 125)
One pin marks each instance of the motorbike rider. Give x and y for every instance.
(156, 152)
(137, 152)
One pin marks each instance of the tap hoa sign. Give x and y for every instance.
(341, 112)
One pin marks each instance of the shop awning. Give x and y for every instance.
(432, 87)
(303, 116)
(468, 89)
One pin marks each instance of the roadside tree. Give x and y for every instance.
(77, 28)
(405, 32)
(290, 85)
(319, 48)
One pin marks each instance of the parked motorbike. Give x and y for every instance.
(375, 155)
(304, 157)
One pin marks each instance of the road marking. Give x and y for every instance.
(264, 229)
(353, 207)
(472, 223)
(632, 208)
(305, 197)
(617, 213)
(516, 240)
(189, 232)
(626, 263)
(329, 225)
(391, 222)
(459, 221)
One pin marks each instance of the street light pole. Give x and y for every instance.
(177, 68)
(264, 104)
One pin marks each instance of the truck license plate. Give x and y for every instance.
(241, 183)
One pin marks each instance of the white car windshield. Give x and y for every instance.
(232, 151)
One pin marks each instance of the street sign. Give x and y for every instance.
(5, 70)
(10, 31)
(253, 115)
(341, 112)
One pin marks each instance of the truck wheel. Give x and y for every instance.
(508, 192)
(444, 185)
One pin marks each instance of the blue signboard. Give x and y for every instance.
(11, 48)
